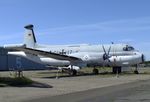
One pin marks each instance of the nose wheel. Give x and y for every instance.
(136, 70)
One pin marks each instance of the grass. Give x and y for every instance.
(103, 72)
(84, 71)
(16, 81)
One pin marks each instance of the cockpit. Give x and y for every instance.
(128, 48)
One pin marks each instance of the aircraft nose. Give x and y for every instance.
(143, 58)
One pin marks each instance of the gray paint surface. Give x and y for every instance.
(12, 62)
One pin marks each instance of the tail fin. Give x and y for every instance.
(29, 38)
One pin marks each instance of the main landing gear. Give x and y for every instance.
(116, 70)
(72, 72)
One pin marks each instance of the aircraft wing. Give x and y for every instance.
(42, 53)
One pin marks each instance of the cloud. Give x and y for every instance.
(129, 40)
(102, 28)
(110, 30)
(10, 38)
(124, 25)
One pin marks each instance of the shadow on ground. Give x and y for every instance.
(21, 82)
(39, 85)
(63, 75)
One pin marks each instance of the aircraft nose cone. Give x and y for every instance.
(143, 58)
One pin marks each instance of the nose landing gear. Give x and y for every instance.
(116, 70)
(136, 70)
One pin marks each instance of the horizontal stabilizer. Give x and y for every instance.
(13, 46)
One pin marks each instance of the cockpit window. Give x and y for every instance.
(128, 48)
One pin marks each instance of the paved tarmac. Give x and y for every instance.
(74, 89)
(130, 92)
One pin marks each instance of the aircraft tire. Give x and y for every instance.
(95, 71)
(136, 72)
(73, 72)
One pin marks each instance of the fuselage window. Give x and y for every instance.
(130, 48)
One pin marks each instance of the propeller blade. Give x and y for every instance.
(109, 50)
(104, 49)
(106, 55)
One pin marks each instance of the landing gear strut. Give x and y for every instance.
(136, 70)
(116, 70)
(19, 73)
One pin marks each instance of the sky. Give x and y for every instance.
(78, 21)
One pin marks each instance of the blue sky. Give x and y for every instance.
(78, 21)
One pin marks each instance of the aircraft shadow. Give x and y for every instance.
(38, 85)
(67, 75)
(21, 82)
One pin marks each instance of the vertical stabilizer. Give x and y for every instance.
(29, 38)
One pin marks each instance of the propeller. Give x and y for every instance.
(106, 55)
